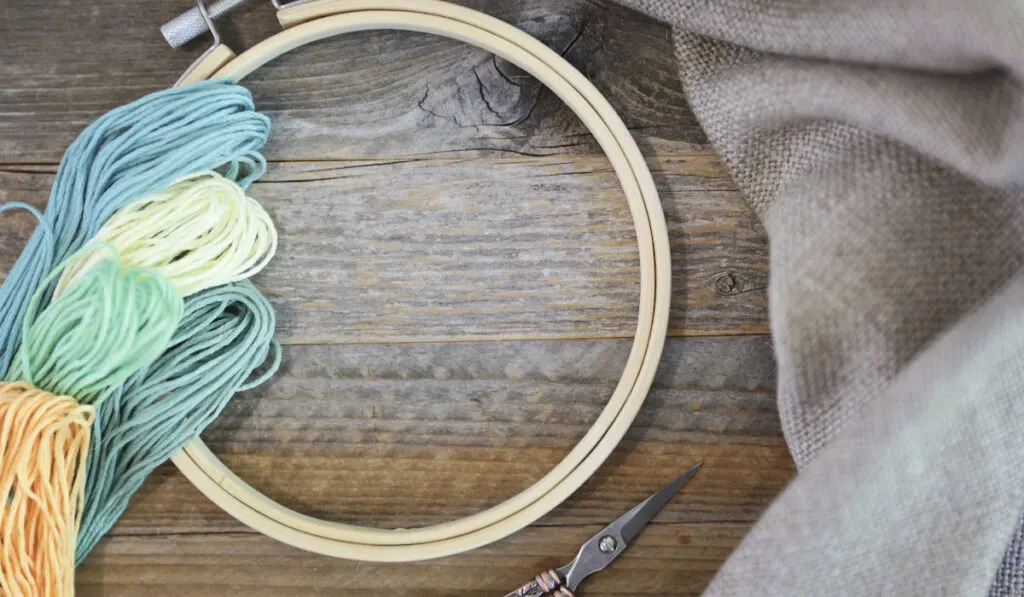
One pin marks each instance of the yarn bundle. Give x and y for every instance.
(127, 323)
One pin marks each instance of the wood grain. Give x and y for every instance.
(484, 248)
(457, 290)
(411, 434)
(669, 559)
(380, 94)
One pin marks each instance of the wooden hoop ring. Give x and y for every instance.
(320, 19)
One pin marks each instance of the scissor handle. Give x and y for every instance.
(547, 582)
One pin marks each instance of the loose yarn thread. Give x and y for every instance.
(76, 351)
(108, 325)
(130, 152)
(200, 232)
(101, 349)
(43, 444)
(225, 335)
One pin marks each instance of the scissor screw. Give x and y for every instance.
(607, 544)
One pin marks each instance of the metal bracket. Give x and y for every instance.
(280, 4)
(194, 23)
(204, 14)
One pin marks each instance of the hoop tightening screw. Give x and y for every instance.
(190, 24)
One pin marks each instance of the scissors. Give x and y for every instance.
(601, 550)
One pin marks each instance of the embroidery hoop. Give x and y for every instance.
(312, 20)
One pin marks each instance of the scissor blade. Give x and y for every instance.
(602, 549)
(636, 519)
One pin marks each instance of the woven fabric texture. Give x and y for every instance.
(882, 144)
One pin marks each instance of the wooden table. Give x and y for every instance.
(457, 288)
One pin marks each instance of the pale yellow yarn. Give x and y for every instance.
(200, 232)
(44, 441)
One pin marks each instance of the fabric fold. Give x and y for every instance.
(882, 145)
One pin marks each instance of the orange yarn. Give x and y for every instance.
(44, 441)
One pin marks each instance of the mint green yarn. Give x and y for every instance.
(225, 335)
(158, 369)
(107, 326)
(127, 153)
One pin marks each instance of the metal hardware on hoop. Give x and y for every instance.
(208, 21)
(192, 24)
(321, 19)
(279, 4)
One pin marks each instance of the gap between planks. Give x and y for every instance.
(248, 532)
(504, 338)
(13, 167)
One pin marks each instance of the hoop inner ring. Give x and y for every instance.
(312, 21)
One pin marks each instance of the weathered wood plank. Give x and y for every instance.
(393, 258)
(412, 434)
(405, 487)
(668, 559)
(503, 394)
(374, 94)
(380, 251)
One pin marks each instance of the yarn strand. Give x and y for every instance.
(117, 357)
(126, 154)
(77, 350)
(225, 335)
(201, 232)
(104, 328)
(43, 446)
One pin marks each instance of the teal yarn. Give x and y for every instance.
(225, 335)
(188, 357)
(108, 325)
(124, 155)
(44, 226)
